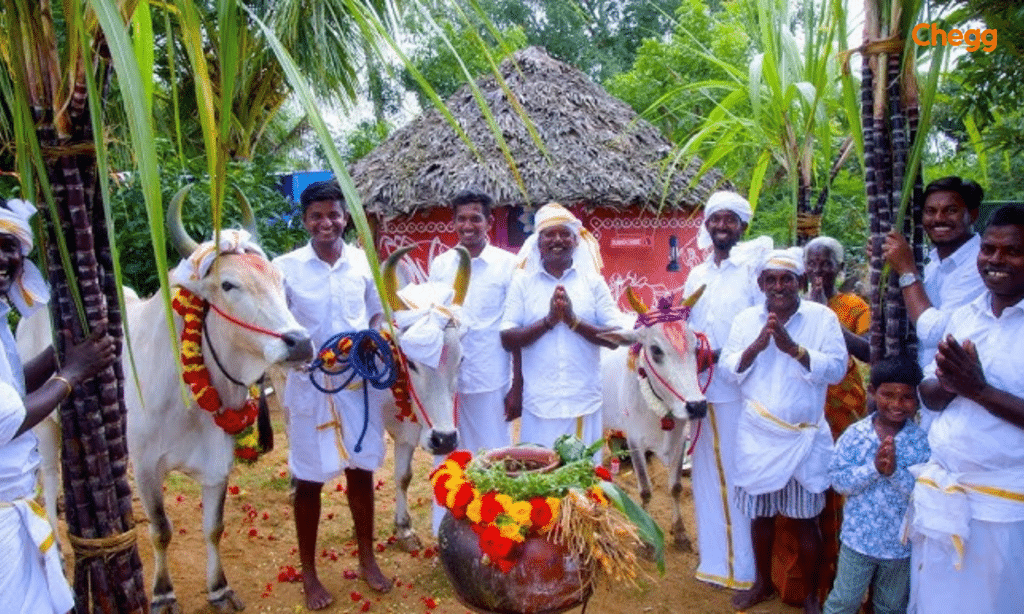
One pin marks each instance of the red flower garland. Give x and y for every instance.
(239, 421)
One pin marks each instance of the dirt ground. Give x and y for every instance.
(259, 549)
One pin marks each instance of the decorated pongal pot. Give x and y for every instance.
(535, 576)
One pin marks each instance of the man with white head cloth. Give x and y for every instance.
(730, 276)
(557, 305)
(31, 579)
(784, 354)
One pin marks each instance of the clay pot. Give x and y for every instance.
(544, 580)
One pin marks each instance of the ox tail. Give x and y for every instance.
(264, 430)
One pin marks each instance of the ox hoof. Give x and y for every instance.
(409, 543)
(682, 543)
(165, 605)
(227, 603)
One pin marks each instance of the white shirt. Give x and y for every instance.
(19, 457)
(326, 300)
(329, 299)
(966, 437)
(731, 288)
(949, 283)
(486, 366)
(774, 379)
(561, 372)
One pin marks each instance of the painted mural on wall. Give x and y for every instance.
(651, 253)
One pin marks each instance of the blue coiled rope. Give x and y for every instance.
(370, 358)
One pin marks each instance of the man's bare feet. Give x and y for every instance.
(811, 605)
(375, 578)
(317, 597)
(754, 595)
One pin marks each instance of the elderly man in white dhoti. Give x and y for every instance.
(31, 580)
(966, 518)
(729, 274)
(784, 354)
(557, 305)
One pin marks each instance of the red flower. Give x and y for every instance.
(440, 491)
(494, 545)
(461, 457)
(504, 565)
(540, 512)
(602, 473)
(490, 508)
(463, 495)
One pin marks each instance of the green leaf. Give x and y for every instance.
(648, 530)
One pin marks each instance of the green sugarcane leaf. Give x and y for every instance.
(648, 530)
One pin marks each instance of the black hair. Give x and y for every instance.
(1007, 215)
(900, 369)
(472, 196)
(969, 191)
(321, 191)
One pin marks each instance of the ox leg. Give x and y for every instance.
(406, 536)
(150, 487)
(643, 480)
(220, 595)
(678, 441)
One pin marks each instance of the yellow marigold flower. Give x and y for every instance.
(598, 494)
(473, 509)
(556, 512)
(453, 485)
(519, 511)
(190, 350)
(504, 500)
(437, 475)
(453, 467)
(511, 531)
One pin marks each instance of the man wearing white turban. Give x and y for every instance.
(784, 354)
(730, 276)
(31, 579)
(557, 305)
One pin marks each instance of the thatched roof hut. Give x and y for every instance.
(596, 151)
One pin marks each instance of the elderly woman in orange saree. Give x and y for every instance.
(844, 405)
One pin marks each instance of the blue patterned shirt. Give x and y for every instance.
(875, 504)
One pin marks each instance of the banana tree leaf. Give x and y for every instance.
(649, 530)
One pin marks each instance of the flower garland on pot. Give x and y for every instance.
(240, 421)
(576, 504)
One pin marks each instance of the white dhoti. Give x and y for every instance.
(31, 579)
(967, 533)
(723, 533)
(481, 421)
(771, 451)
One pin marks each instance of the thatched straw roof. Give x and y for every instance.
(599, 153)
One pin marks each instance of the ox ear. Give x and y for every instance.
(620, 336)
(634, 301)
(693, 298)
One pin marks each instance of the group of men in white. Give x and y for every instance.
(764, 448)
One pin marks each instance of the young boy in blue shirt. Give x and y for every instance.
(869, 467)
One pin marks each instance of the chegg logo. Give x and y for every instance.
(973, 38)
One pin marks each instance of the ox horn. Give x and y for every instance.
(179, 237)
(391, 282)
(462, 276)
(634, 301)
(690, 300)
(248, 218)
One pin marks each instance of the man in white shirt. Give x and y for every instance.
(31, 579)
(330, 290)
(951, 279)
(557, 305)
(966, 520)
(485, 373)
(730, 276)
(784, 355)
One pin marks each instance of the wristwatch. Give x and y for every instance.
(907, 279)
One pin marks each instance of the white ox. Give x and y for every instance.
(249, 328)
(653, 385)
(433, 390)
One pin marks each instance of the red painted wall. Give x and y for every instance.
(635, 244)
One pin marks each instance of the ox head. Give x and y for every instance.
(429, 336)
(665, 356)
(248, 324)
